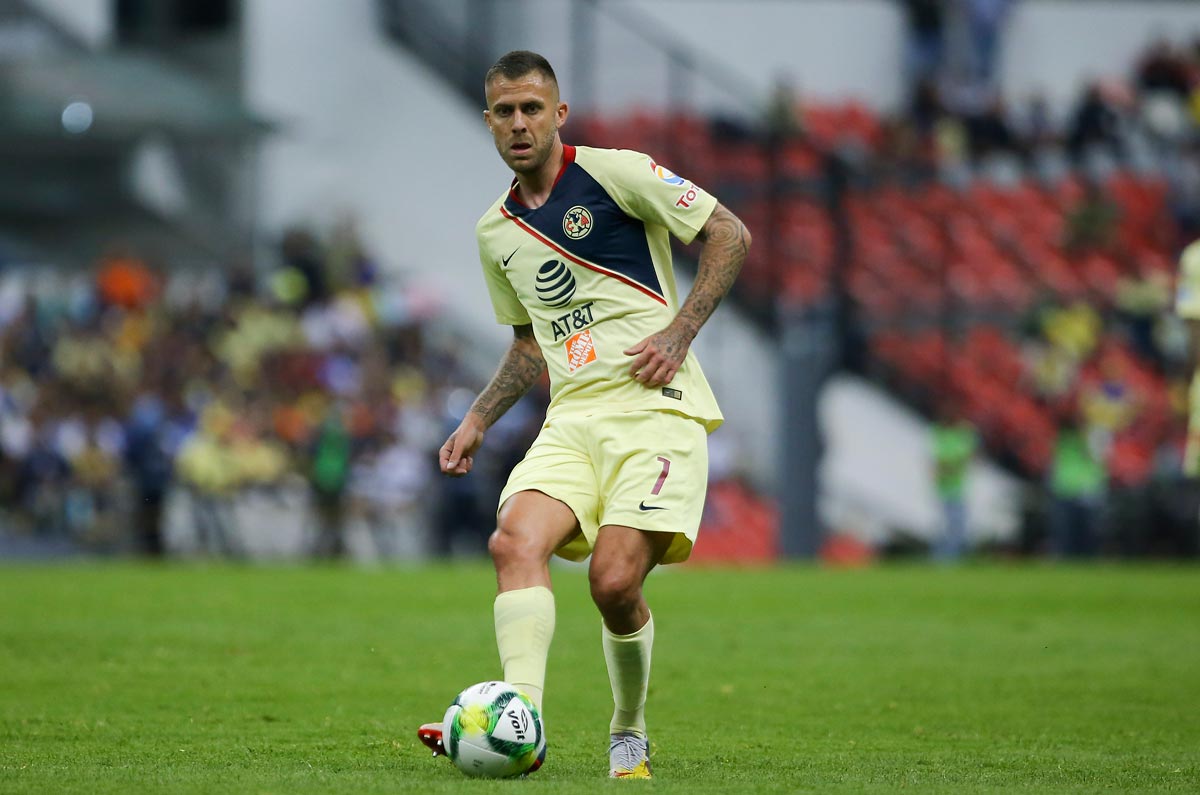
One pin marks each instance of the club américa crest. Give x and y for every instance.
(577, 222)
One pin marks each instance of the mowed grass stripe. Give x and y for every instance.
(129, 678)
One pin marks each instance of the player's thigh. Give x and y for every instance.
(552, 492)
(535, 521)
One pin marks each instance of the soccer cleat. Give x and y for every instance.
(628, 756)
(431, 735)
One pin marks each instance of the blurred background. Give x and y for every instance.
(241, 308)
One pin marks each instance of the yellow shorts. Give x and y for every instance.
(643, 469)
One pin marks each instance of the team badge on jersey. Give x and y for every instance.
(581, 350)
(577, 222)
(555, 284)
(666, 175)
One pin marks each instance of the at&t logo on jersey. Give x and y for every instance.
(666, 175)
(577, 222)
(555, 284)
(574, 320)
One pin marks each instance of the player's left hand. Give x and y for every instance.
(658, 357)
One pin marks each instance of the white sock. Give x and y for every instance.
(524, 628)
(628, 658)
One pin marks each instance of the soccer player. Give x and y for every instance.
(1187, 306)
(576, 256)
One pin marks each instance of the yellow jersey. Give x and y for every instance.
(591, 271)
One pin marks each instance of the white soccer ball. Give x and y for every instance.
(492, 730)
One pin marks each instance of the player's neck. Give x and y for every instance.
(534, 188)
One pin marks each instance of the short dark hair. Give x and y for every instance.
(519, 63)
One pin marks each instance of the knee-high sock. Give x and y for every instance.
(524, 629)
(628, 658)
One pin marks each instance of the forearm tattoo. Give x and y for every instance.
(519, 370)
(726, 242)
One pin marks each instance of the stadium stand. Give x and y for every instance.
(184, 412)
(1023, 292)
(982, 255)
(134, 397)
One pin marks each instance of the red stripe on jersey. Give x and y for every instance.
(568, 159)
(589, 265)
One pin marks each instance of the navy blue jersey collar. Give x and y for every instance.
(517, 207)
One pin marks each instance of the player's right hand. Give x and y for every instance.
(457, 455)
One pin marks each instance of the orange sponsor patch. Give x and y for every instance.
(581, 350)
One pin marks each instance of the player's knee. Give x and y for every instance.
(614, 590)
(509, 545)
(501, 546)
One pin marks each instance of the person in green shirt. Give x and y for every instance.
(954, 442)
(328, 476)
(1077, 481)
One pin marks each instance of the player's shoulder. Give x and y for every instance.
(492, 215)
(630, 168)
(615, 166)
(603, 161)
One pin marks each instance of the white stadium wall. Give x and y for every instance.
(1056, 46)
(369, 130)
(835, 49)
(90, 21)
(831, 49)
(876, 475)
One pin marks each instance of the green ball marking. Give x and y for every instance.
(455, 728)
(511, 749)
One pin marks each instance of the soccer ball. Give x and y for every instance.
(493, 730)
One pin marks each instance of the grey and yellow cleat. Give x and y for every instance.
(628, 756)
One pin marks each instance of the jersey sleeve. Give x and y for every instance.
(505, 303)
(654, 193)
(1187, 289)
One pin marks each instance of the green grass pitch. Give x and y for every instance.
(120, 678)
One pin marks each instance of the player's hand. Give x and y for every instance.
(457, 455)
(658, 357)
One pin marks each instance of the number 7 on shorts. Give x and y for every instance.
(662, 478)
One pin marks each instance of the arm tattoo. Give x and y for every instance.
(726, 242)
(519, 370)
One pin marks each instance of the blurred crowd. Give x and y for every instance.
(1107, 362)
(129, 385)
(1036, 243)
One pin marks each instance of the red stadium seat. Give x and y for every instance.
(799, 160)
(738, 526)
